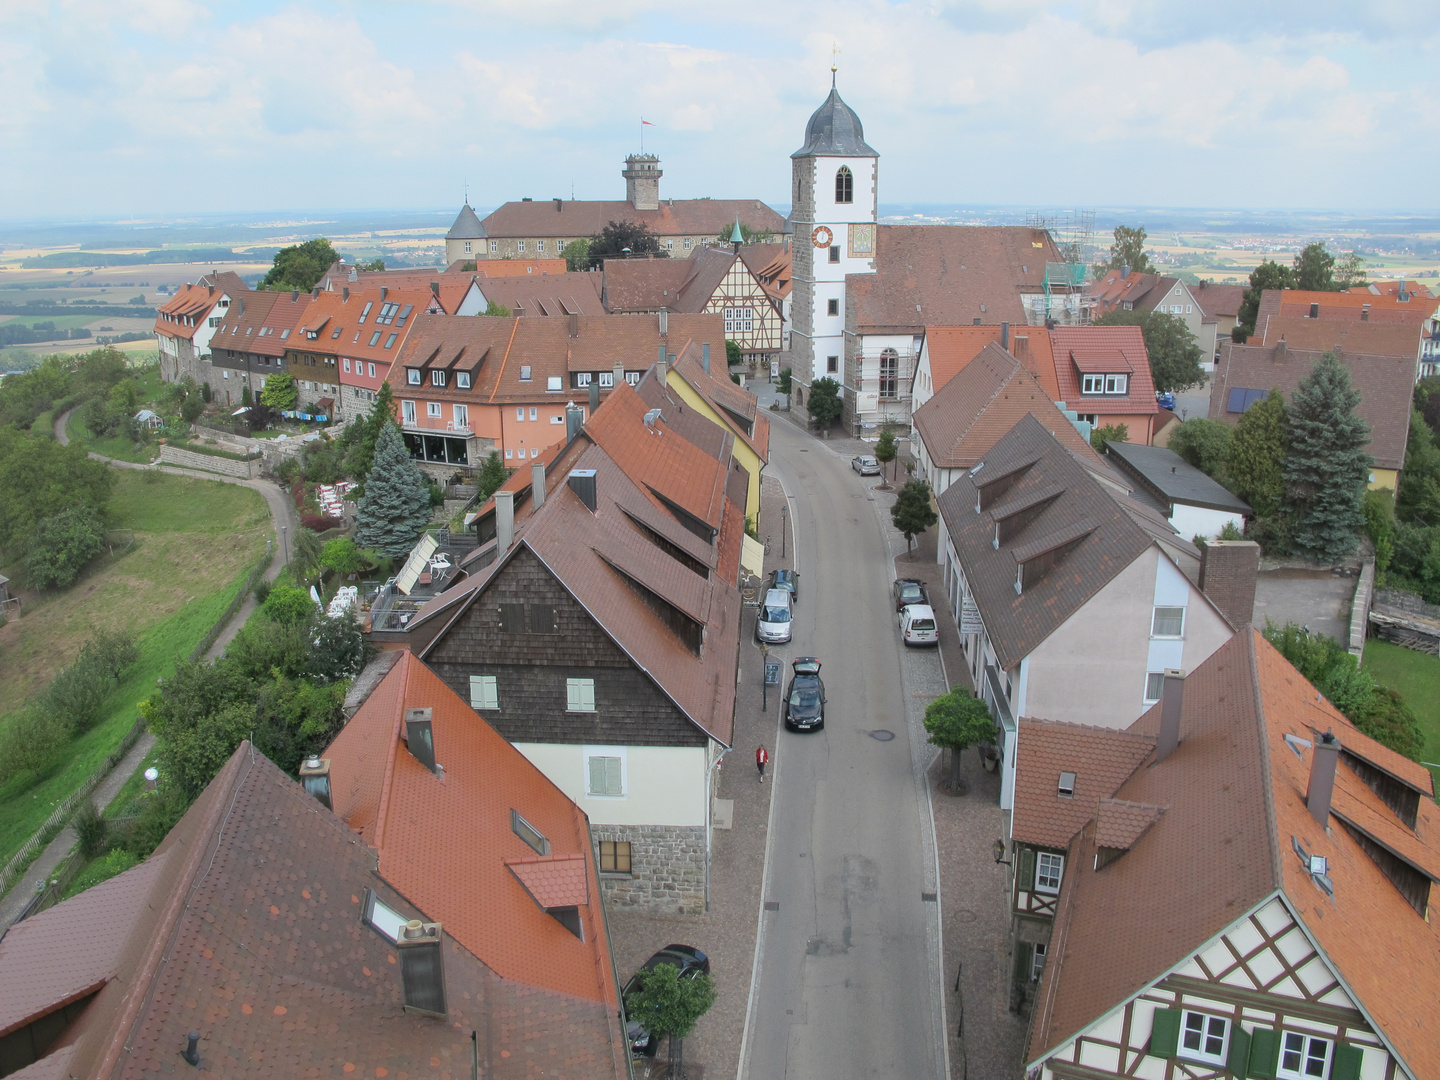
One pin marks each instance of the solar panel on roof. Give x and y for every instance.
(1241, 398)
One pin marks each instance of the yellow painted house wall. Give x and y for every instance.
(1385, 478)
(749, 460)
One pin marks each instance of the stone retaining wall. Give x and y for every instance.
(667, 868)
(188, 459)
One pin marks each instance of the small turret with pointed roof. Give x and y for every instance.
(467, 226)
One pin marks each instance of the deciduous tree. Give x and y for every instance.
(912, 513)
(1127, 250)
(300, 266)
(624, 239)
(1109, 433)
(577, 255)
(885, 449)
(39, 478)
(1174, 354)
(1327, 468)
(279, 391)
(955, 722)
(669, 1006)
(1204, 444)
(1268, 275)
(1255, 463)
(1315, 269)
(61, 545)
(824, 401)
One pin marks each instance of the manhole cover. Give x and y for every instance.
(965, 915)
(881, 735)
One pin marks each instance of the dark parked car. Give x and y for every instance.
(689, 961)
(805, 700)
(786, 579)
(909, 591)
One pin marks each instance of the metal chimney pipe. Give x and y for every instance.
(574, 420)
(1171, 699)
(504, 521)
(619, 374)
(705, 356)
(662, 369)
(537, 484)
(1322, 777)
(1005, 335)
(191, 1053)
(594, 396)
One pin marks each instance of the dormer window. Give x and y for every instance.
(607, 379)
(1065, 786)
(582, 379)
(524, 372)
(437, 378)
(412, 376)
(462, 380)
(1105, 384)
(553, 385)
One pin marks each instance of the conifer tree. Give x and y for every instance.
(1256, 463)
(396, 504)
(1327, 468)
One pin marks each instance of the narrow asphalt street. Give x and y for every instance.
(846, 981)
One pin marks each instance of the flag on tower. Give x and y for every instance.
(646, 122)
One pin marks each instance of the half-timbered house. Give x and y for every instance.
(1251, 900)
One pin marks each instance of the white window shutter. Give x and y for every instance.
(477, 691)
(612, 776)
(597, 776)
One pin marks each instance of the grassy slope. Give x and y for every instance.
(195, 542)
(1417, 677)
(118, 446)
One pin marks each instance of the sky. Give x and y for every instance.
(136, 108)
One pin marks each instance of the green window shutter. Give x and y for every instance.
(1264, 1053)
(1026, 875)
(612, 776)
(597, 776)
(1238, 1057)
(1346, 1065)
(1165, 1033)
(1024, 962)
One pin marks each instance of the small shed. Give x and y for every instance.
(4, 588)
(1195, 504)
(149, 419)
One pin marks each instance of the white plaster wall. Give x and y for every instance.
(829, 330)
(664, 785)
(1200, 521)
(1091, 670)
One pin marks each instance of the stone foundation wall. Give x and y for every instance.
(188, 459)
(667, 868)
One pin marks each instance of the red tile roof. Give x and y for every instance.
(949, 275)
(445, 842)
(1119, 824)
(973, 410)
(245, 926)
(1124, 346)
(1218, 300)
(585, 217)
(335, 319)
(1235, 797)
(187, 310)
(950, 348)
(685, 285)
(1101, 759)
(558, 882)
(546, 294)
(262, 323)
(737, 406)
(1372, 338)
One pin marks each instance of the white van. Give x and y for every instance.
(773, 625)
(917, 625)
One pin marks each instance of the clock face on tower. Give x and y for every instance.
(822, 237)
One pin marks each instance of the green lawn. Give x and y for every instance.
(1417, 677)
(196, 541)
(118, 446)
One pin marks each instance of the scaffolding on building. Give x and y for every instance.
(1063, 298)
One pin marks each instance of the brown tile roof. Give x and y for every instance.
(950, 348)
(735, 404)
(658, 458)
(546, 294)
(1235, 798)
(262, 323)
(1104, 348)
(1374, 338)
(945, 274)
(773, 265)
(592, 553)
(693, 426)
(1141, 291)
(1217, 300)
(1385, 383)
(69, 951)
(445, 842)
(1018, 622)
(684, 285)
(1101, 759)
(1384, 306)
(972, 411)
(1119, 824)
(581, 218)
(247, 930)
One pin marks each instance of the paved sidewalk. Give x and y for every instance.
(727, 931)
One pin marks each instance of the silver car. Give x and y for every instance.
(865, 465)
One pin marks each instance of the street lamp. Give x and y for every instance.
(998, 849)
(286, 541)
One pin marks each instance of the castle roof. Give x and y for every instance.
(834, 130)
(467, 226)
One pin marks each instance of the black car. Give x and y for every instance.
(689, 961)
(909, 591)
(786, 579)
(805, 699)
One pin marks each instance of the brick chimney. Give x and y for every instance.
(504, 521)
(1282, 352)
(1227, 576)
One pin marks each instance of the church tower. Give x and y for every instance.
(833, 209)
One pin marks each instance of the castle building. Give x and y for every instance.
(528, 228)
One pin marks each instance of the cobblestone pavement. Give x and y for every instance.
(726, 932)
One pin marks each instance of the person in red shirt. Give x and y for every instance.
(761, 757)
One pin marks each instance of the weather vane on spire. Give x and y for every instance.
(834, 52)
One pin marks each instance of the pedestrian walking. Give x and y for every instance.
(761, 757)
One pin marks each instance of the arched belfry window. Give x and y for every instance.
(844, 186)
